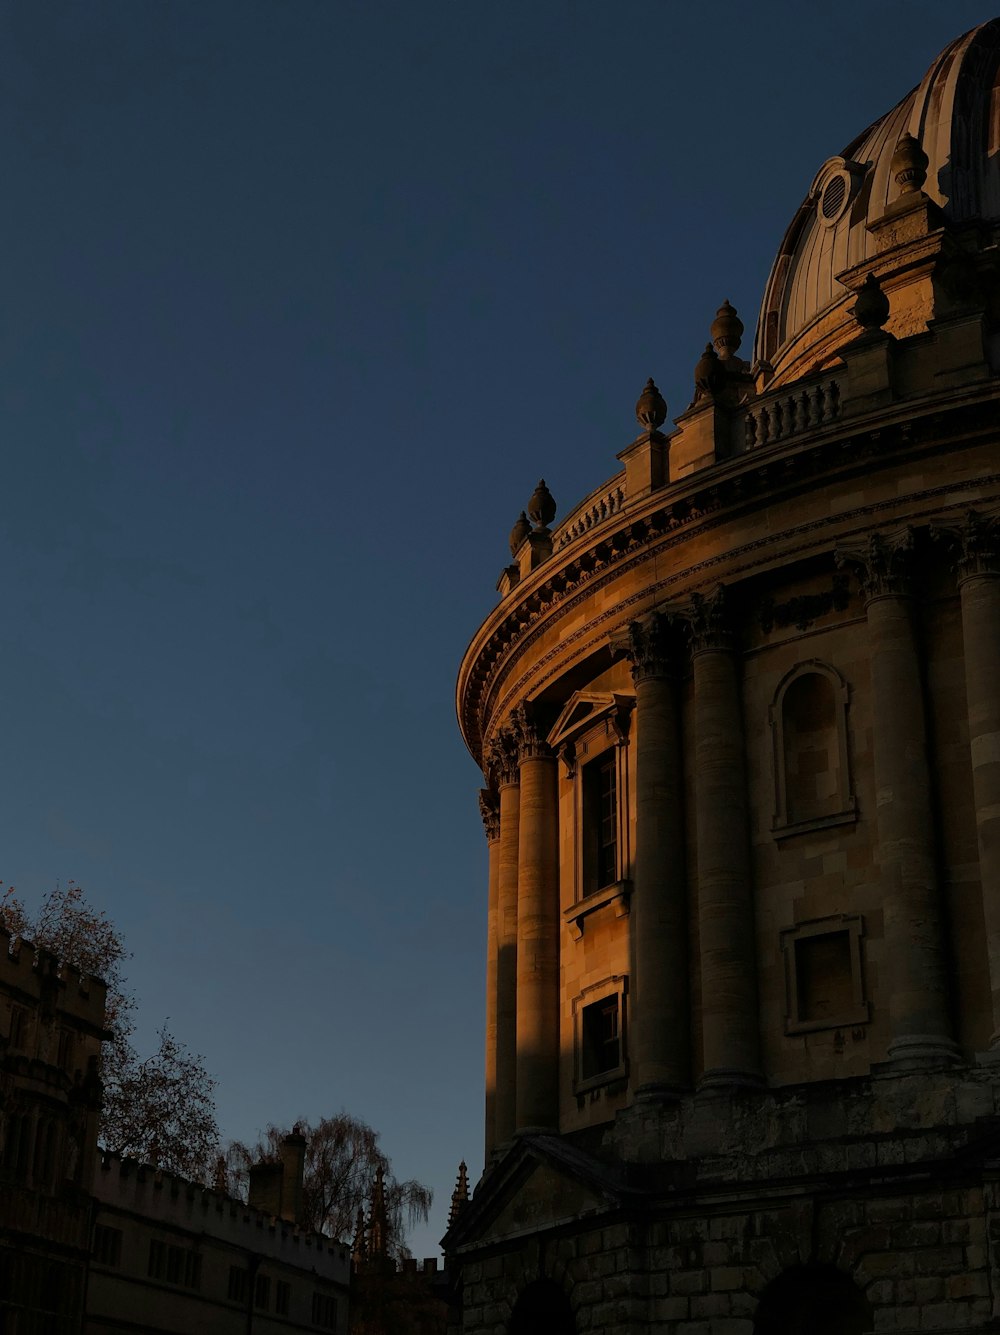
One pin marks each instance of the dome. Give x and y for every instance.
(954, 113)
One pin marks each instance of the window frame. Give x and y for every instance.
(782, 823)
(852, 925)
(615, 986)
(591, 729)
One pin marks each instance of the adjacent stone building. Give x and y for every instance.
(100, 1244)
(51, 1028)
(738, 717)
(171, 1256)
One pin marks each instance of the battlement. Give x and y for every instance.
(165, 1198)
(39, 978)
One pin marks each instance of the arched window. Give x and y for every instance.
(813, 1300)
(811, 772)
(542, 1309)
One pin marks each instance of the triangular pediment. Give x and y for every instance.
(582, 710)
(539, 1183)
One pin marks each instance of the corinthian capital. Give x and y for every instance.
(502, 756)
(528, 738)
(648, 645)
(976, 542)
(881, 562)
(710, 620)
(489, 809)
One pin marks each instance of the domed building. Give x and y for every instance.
(738, 716)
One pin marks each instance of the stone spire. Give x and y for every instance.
(460, 1196)
(378, 1222)
(359, 1247)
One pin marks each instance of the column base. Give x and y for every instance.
(729, 1077)
(920, 1052)
(660, 1091)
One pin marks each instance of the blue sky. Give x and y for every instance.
(299, 301)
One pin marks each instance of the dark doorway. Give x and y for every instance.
(542, 1309)
(813, 1300)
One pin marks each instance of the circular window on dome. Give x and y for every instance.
(834, 197)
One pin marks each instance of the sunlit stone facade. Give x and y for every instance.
(738, 716)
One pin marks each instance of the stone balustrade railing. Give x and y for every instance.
(790, 412)
(590, 512)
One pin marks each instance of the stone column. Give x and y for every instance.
(915, 966)
(979, 588)
(489, 809)
(728, 945)
(502, 765)
(538, 925)
(659, 1038)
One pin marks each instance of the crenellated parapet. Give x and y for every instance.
(37, 978)
(158, 1196)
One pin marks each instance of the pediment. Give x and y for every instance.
(538, 1184)
(585, 708)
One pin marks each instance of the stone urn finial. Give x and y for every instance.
(709, 374)
(518, 533)
(909, 165)
(651, 409)
(726, 331)
(871, 310)
(541, 507)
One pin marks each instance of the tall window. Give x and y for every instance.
(602, 1043)
(600, 815)
(599, 1018)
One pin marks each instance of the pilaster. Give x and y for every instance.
(915, 963)
(659, 1043)
(727, 934)
(538, 925)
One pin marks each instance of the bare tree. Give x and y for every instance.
(341, 1165)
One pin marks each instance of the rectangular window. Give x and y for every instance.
(601, 1038)
(282, 1297)
(192, 1270)
(262, 1292)
(157, 1259)
(175, 1265)
(107, 1245)
(324, 1313)
(237, 1291)
(600, 823)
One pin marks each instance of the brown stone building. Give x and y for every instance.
(739, 721)
(51, 1027)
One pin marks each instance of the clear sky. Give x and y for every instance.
(299, 301)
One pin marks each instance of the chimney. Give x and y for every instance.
(265, 1188)
(293, 1161)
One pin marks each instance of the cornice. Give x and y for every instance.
(704, 500)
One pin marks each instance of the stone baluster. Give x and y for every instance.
(489, 809)
(659, 1039)
(731, 1038)
(915, 965)
(502, 766)
(979, 589)
(538, 928)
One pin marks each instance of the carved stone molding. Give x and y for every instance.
(976, 542)
(803, 610)
(710, 621)
(881, 563)
(502, 757)
(649, 644)
(529, 739)
(489, 809)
